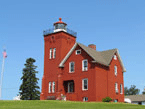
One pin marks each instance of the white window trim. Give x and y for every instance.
(77, 53)
(116, 87)
(83, 69)
(115, 70)
(121, 89)
(70, 67)
(50, 53)
(50, 87)
(83, 84)
(53, 87)
(54, 52)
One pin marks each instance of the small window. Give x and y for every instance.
(85, 84)
(85, 65)
(71, 67)
(78, 52)
(115, 57)
(121, 89)
(85, 99)
(115, 70)
(50, 87)
(50, 54)
(53, 87)
(54, 52)
(116, 87)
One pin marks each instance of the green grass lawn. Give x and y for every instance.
(65, 105)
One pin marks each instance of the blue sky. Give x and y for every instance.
(106, 23)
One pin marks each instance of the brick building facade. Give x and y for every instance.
(78, 72)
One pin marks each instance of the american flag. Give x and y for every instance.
(4, 54)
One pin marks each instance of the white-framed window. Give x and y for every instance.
(121, 89)
(50, 87)
(115, 70)
(71, 67)
(85, 99)
(50, 53)
(54, 52)
(53, 87)
(85, 65)
(78, 52)
(116, 87)
(115, 57)
(85, 84)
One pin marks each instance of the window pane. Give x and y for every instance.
(50, 87)
(121, 89)
(85, 87)
(85, 84)
(54, 52)
(53, 87)
(85, 99)
(50, 54)
(115, 70)
(116, 87)
(71, 66)
(78, 52)
(85, 65)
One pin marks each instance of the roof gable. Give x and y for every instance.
(103, 57)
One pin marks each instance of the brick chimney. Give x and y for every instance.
(92, 46)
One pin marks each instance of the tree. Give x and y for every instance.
(126, 91)
(29, 90)
(143, 92)
(131, 91)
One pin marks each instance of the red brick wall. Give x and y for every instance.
(78, 75)
(101, 82)
(63, 43)
(112, 79)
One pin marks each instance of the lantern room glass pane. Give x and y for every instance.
(60, 26)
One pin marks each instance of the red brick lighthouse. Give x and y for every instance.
(78, 72)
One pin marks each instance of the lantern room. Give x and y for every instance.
(60, 26)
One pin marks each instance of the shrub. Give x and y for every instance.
(107, 99)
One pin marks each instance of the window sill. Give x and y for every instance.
(70, 92)
(84, 89)
(70, 72)
(84, 70)
(51, 92)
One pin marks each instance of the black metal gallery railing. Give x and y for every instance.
(52, 30)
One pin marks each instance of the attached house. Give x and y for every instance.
(79, 72)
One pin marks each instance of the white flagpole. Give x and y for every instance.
(2, 78)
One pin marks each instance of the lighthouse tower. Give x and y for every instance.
(57, 43)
